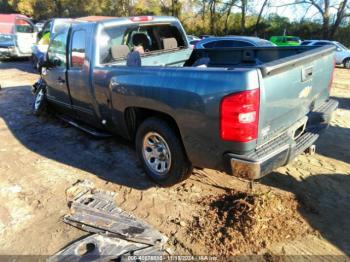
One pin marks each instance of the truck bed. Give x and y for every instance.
(268, 59)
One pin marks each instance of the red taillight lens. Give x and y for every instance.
(141, 18)
(332, 77)
(240, 116)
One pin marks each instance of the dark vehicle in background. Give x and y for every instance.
(342, 54)
(232, 41)
(243, 110)
(285, 40)
(17, 35)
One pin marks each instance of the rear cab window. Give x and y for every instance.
(115, 42)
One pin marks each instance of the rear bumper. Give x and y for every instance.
(281, 150)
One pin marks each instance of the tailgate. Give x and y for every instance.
(292, 87)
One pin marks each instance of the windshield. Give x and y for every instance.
(342, 46)
(60, 26)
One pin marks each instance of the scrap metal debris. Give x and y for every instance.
(99, 247)
(116, 232)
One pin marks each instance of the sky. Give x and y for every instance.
(294, 12)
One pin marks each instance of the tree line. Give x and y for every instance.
(216, 17)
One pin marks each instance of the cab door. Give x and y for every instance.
(55, 75)
(78, 74)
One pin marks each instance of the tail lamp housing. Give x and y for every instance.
(239, 116)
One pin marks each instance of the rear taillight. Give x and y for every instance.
(239, 117)
(332, 77)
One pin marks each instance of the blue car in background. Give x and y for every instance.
(233, 41)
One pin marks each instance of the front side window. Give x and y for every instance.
(78, 49)
(57, 51)
(341, 46)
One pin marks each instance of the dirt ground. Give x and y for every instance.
(301, 209)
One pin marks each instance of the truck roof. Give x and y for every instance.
(11, 18)
(8, 21)
(106, 20)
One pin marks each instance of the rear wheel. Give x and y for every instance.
(161, 153)
(347, 63)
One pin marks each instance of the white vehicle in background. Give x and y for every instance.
(342, 54)
(17, 35)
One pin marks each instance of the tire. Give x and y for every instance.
(164, 160)
(347, 63)
(40, 102)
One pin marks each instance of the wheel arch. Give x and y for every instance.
(134, 116)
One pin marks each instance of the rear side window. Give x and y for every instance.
(210, 45)
(323, 43)
(78, 49)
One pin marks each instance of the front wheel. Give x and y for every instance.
(40, 103)
(161, 153)
(347, 63)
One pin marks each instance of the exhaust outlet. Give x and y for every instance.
(311, 150)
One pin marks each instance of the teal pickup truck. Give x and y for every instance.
(245, 110)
